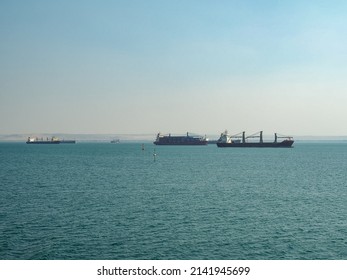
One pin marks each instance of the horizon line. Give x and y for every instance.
(143, 136)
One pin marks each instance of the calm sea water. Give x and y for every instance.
(113, 201)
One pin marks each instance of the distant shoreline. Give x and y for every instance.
(146, 138)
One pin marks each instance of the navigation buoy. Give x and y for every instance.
(154, 155)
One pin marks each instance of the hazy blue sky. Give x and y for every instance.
(173, 66)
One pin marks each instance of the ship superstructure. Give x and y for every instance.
(52, 140)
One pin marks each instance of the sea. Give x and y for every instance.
(129, 201)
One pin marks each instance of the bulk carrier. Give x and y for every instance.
(234, 142)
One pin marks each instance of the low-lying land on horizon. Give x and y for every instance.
(139, 137)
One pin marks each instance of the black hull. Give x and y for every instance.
(283, 144)
(68, 142)
(202, 143)
(43, 142)
(52, 142)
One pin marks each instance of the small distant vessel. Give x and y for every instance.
(53, 140)
(115, 141)
(180, 140)
(232, 141)
(67, 141)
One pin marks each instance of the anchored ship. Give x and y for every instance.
(53, 140)
(180, 140)
(241, 141)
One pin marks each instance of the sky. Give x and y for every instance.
(142, 67)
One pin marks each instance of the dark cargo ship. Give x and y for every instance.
(231, 141)
(180, 140)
